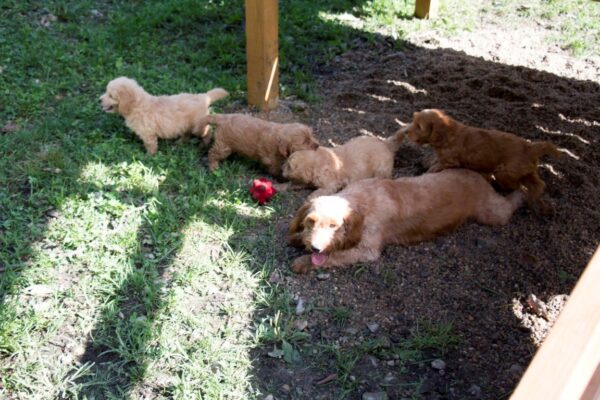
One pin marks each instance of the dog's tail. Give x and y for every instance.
(202, 128)
(394, 141)
(216, 94)
(542, 148)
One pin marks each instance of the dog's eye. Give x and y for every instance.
(332, 226)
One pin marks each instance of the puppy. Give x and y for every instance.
(153, 117)
(270, 143)
(330, 169)
(355, 224)
(511, 160)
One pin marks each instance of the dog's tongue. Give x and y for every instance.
(318, 259)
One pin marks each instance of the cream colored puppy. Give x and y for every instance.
(153, 117)
(329, 169)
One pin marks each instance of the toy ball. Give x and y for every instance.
(262, 190)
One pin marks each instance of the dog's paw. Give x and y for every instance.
(302, 265)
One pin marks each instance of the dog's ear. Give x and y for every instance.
(440, 128)
(353, 227)
(297, 225)
(309, 139)
(126, 96)
(284, 147)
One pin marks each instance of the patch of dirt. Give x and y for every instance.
(481, 279)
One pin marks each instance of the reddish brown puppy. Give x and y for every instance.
(511, 160)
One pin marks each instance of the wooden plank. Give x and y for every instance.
(262, 46)
(566, 366)
(426, 9)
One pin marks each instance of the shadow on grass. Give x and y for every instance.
(122, 348)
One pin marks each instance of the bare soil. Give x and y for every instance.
(480, 279)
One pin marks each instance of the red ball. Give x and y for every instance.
(262, 190)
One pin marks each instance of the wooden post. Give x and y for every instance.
(262, 45)
(426, 9)
(567, 365)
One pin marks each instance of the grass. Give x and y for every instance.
(425, 341)
(574, 23)
(124, 275)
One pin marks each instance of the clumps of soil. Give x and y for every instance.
(501, 288)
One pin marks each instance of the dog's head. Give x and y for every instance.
(429, 126)
(300, 165)
(297, 137)
(121, 95)
(325, 225)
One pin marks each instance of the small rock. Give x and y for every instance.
(373, 361)
(300, 307)
(298, 105)
(47, 20)
(96, 14)
(373, 327)
(516, 369)
(275, 277)
(375, 396)
(475, 390)
(537, 306)
(438, 364)
(78, 350)
(269, 397)
(286, 388)
(391, 363)
(389, 379)
(301, 324)
(53, 214)
(39, 290)
(350, 331)
(323, 276)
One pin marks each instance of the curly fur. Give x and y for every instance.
(355, 224)
(270, 143)
(511, 161)
(153, 117)
(331, 168)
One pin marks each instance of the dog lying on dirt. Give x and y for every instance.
(355, 224)
(270, 143)
(511, 161)
(153, 117)
(331, 168)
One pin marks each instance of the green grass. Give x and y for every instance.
(123, 274)
(573, 24)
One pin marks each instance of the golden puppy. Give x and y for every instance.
(513, 161)
(355, 224)
(330, 169)
(267, 142)
(153, 117)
